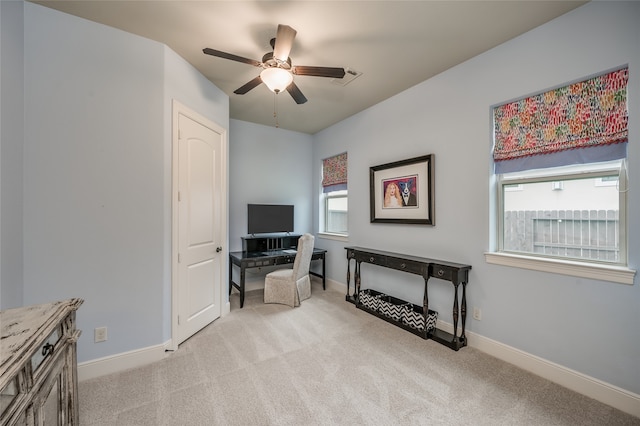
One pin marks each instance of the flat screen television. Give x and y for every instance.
(269, 218)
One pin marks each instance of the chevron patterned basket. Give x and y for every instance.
(370, 299)
(414, 319)
(393, 308)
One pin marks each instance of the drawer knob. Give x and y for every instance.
(371, 259)
(403, 265)
(440, 273)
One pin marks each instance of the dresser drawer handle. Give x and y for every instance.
(403, 265)
(371, 259)
(440, 273)
(47, 350)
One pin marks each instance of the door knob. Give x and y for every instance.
(218, 250)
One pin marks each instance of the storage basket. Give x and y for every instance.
(393, 308)
(415, 319)
(370, 299)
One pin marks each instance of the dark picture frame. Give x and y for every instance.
(403, 191)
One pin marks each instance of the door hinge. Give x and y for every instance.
(178, 257)
(178, 196)
(178, 319)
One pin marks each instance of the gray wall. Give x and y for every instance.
(586, 325)
(11, 135)
(268, 165)
(97, 174)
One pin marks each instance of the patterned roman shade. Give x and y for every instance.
(334, 173)
(553, 128)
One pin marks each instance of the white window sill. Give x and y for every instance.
(596, 271)
(336, 237)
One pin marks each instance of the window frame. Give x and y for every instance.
(618, 272)
(343, 193)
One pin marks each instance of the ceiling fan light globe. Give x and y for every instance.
(276, 79)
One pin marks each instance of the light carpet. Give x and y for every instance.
(328, 363)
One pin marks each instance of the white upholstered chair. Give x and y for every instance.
(291, 286)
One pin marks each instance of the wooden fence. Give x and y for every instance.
(584, 234)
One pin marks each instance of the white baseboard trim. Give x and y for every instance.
(599, 390)
(120, 362)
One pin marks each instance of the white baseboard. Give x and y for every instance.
(120, 362)
(606, 393)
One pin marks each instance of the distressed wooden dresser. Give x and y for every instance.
(38, 364)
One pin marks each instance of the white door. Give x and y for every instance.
(201, 203)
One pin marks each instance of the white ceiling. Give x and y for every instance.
(394, 44)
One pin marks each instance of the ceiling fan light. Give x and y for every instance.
(276, 79)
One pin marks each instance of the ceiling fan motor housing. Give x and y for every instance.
(268, 61)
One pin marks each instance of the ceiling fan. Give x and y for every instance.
(278, 71)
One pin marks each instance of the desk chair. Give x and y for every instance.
(291, 286)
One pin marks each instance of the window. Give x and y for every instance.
(334, 211)
(560, 175)
(564, 213)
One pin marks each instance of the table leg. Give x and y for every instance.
(324, 274)
(455, 313)
(425, 301)
(230, 276)
(242, 273)
(348, 278)
(356, 292)
(463, 309)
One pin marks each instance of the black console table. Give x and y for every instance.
(454, 272)
(268, 250)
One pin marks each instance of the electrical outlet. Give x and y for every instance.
(477, 314)
(100, 334)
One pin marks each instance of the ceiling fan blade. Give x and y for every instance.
(319, 71)
(284, 42)
(250, 85)
(296, 94)
(226, 55)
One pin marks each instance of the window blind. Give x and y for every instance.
(334, 173)
(583, 122)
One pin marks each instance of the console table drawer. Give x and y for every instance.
(443, 272)
(371, 258)
(407, 266)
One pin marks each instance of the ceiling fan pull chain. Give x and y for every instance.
(275, 109)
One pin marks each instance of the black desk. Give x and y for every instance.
(258, 259)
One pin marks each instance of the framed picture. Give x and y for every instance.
(403, 191)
